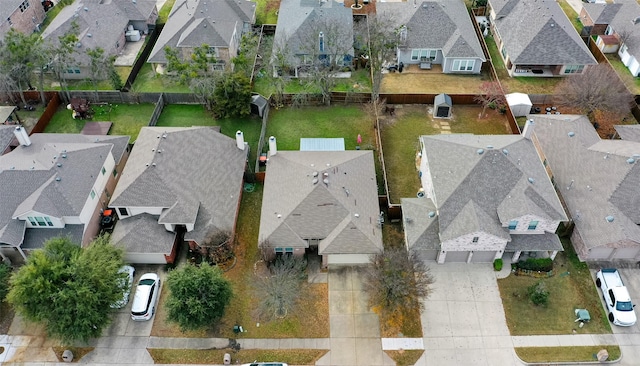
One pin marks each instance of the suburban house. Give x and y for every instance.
(435, 32)
(482, 196)
(535, 38)
(179, 184)
(25, 16)
(106, 24)
(323, 201)
(311, 32)
(598, 180)
(56, 185)
(219, 24)
(617, 29)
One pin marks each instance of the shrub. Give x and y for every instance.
(538, 294)
(5, 273)
(497, 264)
(536, 264)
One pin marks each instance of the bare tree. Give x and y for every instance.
(397, 280)
(377, 38)
(326, 46)
(597, 89)
(491, 95)
(279, 292)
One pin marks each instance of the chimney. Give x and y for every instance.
(273, 148)
(528, 129)
(240, 140)
(22, 136)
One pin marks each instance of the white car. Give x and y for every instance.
(125, 284)
(146, 297)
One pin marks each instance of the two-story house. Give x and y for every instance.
(482, 196)
(219, 24)
(56, 185)
(25, 16)
(535, 38)
(180, 183)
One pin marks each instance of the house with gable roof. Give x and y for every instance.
(25, 16)
(103, 24)
(482, 196)
(598, 180)
(330, 207)
(435, 32)
(219, 24)
(179, 184)
(617, 26)
(56, 185)
(312, 31)
(535, 38)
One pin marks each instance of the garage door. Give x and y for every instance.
(457, 256)
(427, 255)
(625, 253)
(483, 257)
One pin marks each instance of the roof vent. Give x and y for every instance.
(86, 9)
(432, 214)
(89, 35)
(153, 164)
(13, 168)
(489, 147)
(631, 160)
(59, 165)
(571, 134)
(58, 179)
(356, 215)
(325, 181)
(505, 151)
(64, 156)
(609, 218)
(315, 174)
(531, 180)
(315, 180)
(480, 151)
(33, 167)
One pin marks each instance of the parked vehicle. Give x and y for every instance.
(616, 297)
(146, 297)
(265, 364)
(125, 284)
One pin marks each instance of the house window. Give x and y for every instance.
(533, 225)
(503, 51)
(123, 211)
(41, 221)
(93, 194)
(212, 52)
(9, 21)
(33, 221)
(321, 41)
(281, 251)
(573, 69)
(513, 224)
(48, 220)
(463, 65)
(423, 54)
(217, 67)
(624, 49)
(24, 6)
(115, 173)
(104, 171)
(475, 239)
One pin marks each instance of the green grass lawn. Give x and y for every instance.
(570, 288)
(522, 84)
(632, 83)
(288, 125)
(214, 356)
(565, 354)
(572, 15)
(359, 82)
(266, 11)
(127, 119)
(163, 13)
(149, 81)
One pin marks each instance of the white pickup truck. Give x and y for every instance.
(616, 297)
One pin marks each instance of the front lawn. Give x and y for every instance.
(565, 354)
(127, 119)
(214, 356)
(288, 125)
(570, 288)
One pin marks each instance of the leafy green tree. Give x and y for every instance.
(232, 96)
(18, 57)
(69, 289)
(101, 67)
(63, 55)
(198, 296)
(538, 294)
(5, 274)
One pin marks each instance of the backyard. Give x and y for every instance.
(415, 81)
(632, 83)
(127, 119)
(571, 287)
(399, 134)
(359, 82)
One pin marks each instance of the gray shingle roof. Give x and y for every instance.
(298, 17)
(32, 171)
(193, 23)
(101, 23)
(621, 17)
(594, 178)
(443, 24)
(35, 238)
(344, 213)
(9, 7)
(142, 234)
(201, 191)
(539, 33)
(539, 242)
(6, 136)
(420, 230)
(482, 192)
(629, 132)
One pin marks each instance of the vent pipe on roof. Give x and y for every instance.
(22, 136)
(240, 140)
(273, 147)
(528, 129)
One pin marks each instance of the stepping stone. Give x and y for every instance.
(447, 127)
(445, 132)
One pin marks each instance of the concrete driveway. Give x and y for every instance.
(463, 322)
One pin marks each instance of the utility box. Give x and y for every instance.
(227, 359)
(67, 356)
(442, 106)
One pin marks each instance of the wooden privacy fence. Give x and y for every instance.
(45, 118)
(142, 58)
